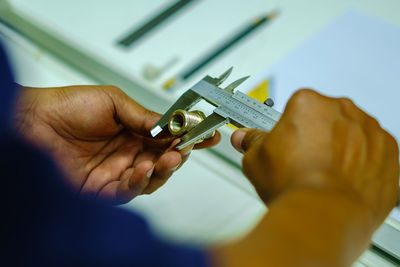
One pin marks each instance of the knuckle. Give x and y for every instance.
(352, 111)
(149, 113)
(112, 91)
(151, 117)
(303, 101)
(346, 102)
(304, 94)
(302, 98)
(347, 106)
(391, 142)
(112, 88)
(373, 123)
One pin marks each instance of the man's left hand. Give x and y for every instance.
(99, 137)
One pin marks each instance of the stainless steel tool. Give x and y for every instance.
(231, 107)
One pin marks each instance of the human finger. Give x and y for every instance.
(131, 114)
(131, 184)
(185, 153)
(351, 111)
(146, 156)
(245, 138)
(164, 168)
(209, 142)
(109, 170)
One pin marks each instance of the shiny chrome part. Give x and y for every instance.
(182, 121)
(223, 76)
(230, 88)
(156, 130)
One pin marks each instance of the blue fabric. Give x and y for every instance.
(8, 90)
(45, 224)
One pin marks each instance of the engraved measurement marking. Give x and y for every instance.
(238, 107)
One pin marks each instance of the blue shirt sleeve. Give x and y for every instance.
(46, 224)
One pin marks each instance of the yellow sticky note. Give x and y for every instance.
(260, 92)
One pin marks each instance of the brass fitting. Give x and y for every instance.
(182, 121)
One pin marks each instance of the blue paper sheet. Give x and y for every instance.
(356, 56)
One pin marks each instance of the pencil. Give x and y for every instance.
(145, 28)
(219, 50)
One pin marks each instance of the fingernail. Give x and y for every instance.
(175, 142)
(187, 150)
(175, 168)
(149, 173)
(238, 139)
(186, 153)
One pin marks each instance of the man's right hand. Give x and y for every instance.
(324, 143)
(329, 175)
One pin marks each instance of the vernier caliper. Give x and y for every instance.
(232, 107)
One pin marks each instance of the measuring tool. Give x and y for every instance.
(232, 107)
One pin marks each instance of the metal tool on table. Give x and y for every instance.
(232, 107)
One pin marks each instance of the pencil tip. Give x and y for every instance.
(169, 83)
(273, 14)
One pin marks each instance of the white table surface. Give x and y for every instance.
(180, 210)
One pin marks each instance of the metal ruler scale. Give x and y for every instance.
(239, 109)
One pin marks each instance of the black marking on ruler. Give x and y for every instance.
(260, 107)
(248, 118)
(233, 116)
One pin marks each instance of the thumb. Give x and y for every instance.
(131, 114)
(245, 138)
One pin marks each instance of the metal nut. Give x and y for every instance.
(182, 121)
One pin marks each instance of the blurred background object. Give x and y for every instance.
(152, 72)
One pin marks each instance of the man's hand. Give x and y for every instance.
(324, 143)
(100, 138)
(329, 175)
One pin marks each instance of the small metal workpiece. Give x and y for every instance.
(231, 106)
(182, 121)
